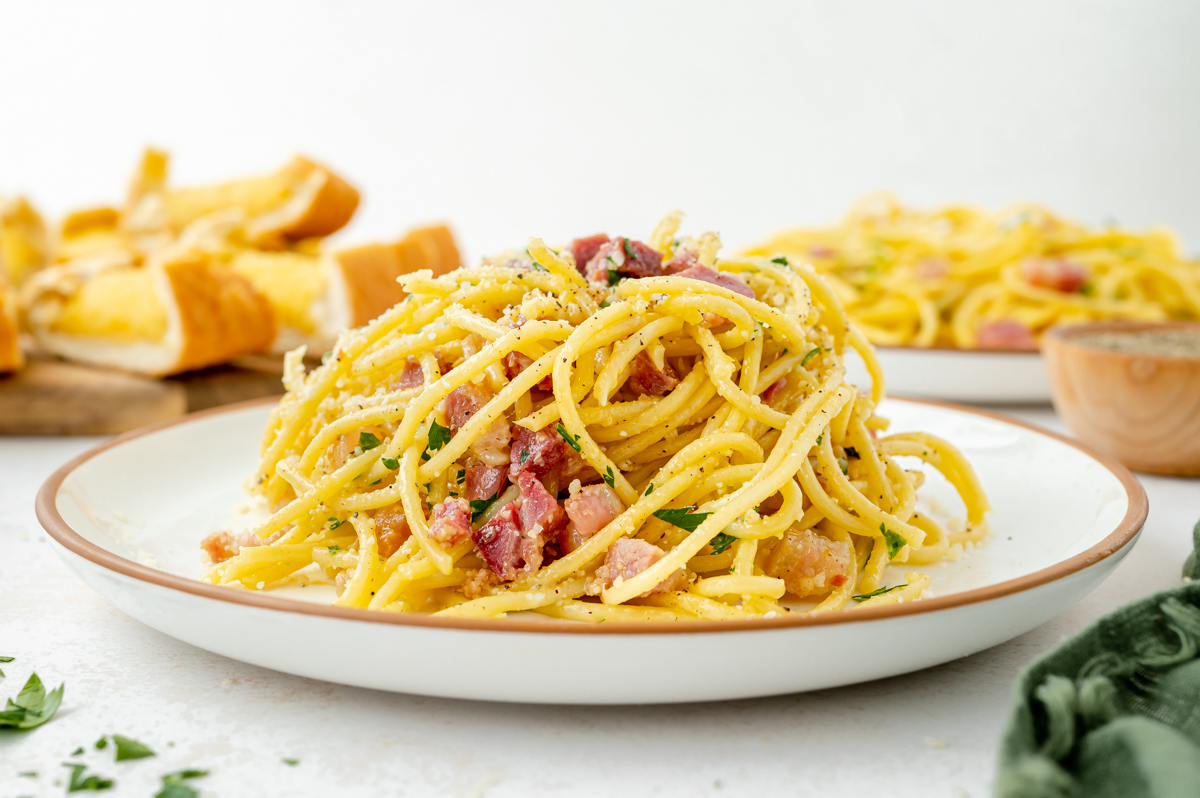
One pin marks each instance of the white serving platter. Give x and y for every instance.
(979, 376)
(129, 514)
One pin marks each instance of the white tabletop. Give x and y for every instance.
(932, 733)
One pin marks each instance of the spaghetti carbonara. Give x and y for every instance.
(965, 278)
(622, 430)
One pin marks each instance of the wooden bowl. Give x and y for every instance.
(1143, 409)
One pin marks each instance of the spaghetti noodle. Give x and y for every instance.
(621, 431)
(965, 278)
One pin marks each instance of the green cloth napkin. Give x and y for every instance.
(1115, 710)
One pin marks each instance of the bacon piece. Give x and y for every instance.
(584, 249)
(536, 452)
(539, 513)
(821, 251)
(768, 396)
(391, 529)
(464, 402)
(1004, 334)
(485, 482)
(635, 260)
(223, 545)
(627, 558)
(808, 563)
(590, 510)
(411, 377)
(932, 268)
(342, 449)
(450, 521)
(649, 380)
(727, 281)
(1059, 274)
(516, 362)
(499, 542)
(681, 261)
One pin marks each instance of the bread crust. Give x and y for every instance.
(221, 315)
(11, 357)
(335, 202)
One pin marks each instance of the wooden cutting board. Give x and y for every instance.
(52, 397)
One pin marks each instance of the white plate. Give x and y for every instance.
(959, 375)
(130, 513)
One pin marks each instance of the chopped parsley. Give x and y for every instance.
(629, 253)
(461, 476)
(102, 743)
(130, 749)
(479, 506)
(879, 592)
(894, 541)
(292, 762)
(1087, 289)
(844, 464)
(80, 783)
(851, 452)
(325, 357)
(809, 356)
(367, 441)
(609, 478)
(614, 277)
(649, 490)
(685, 518)
(32, 707)
(390, 463)
(540, 268)
(781, 260)
(174, 787)
(722, 542)
(77, 751)
(439, 436)
(4, 659)
(334, 549)
(572, 440)
(523, 456)
(334, 523)
(605, 303)
(820, 438)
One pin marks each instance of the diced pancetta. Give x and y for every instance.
(499, 542)
(539, 452)
(590, 510)
(649, 380)
(342, 449)
(391, 529)
(627, 558)
(411, 376)
(464, 402)
(681, 261)
(931, 268)
(1004, 334)
(484, 482)
(584, 249)
(809, 564)
(223, 545)
(1059, 274)
(727, 281)
(450, 521)
(626, 257)
(769, 395)
(539, 513)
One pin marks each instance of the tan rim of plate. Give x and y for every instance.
(52, 521)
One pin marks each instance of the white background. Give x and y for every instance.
(557, 119)
(561, 119)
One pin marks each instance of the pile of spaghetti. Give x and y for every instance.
(966, 278)
(617, 431)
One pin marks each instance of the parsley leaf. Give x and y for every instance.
(851, 452)
(130, 749)
(32, 707)
(102, 743)
(609, 478)
(781, 260)
(820, 438)
(461, 476)
(879, 592)
(78, 783)
(649, 490)
(390, 463)
(334, 523)
(809, 356)
(605, 303)
(77, 751)
(292, 762)
(334, 549)
(523, 456)
(721, 542)
(614, 277)
(685, 518)
(629, 253)
(325, 357)
(572, 440)
(844, 464)
(173, 786)
(367, 441)
(479, 506)
(894, 541)
(7, 659)
(439, 436)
